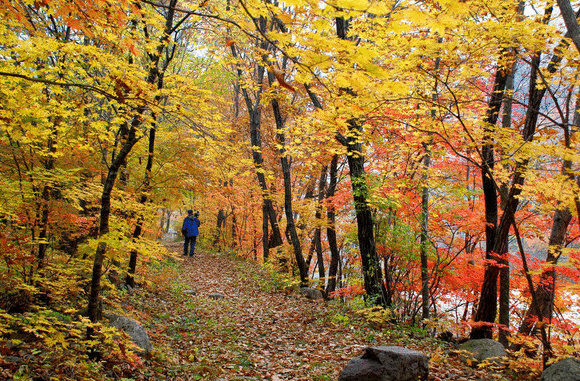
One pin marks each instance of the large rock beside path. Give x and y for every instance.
(132, 328)
(311, 293)
(479, 350)
(387, 363)
(563, 370)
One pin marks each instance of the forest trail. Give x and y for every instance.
(234, 328)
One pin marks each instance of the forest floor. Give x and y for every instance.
(239, 326)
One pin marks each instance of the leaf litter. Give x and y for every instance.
(254, 332)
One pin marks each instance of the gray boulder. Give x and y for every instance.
(563, 370)
(311, 293)
(387, 363)
(134, 330)
(479, 350)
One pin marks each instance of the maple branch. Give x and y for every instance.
(86, 87)
(66, 84)
(444, 138)
(273, 44)
(200, 14)
(317, 104)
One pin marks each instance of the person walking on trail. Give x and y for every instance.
(190, 231)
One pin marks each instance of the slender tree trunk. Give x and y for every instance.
(318, 230)
(130, 138)
(427, 146)
(374, 285)
(130, 278)
(330, 230)
(220, 226)
(255, 114)
(109, 183)
(319, 256)
(504, 274)
(46, 196)
(285, 163)
(425, 231)
(372, 274)
(222, 216)
(311, 250)
(371, 268)
(547, 284)
(373, 281)
(168, 221)
(487, 306)
(388, 280)
(258, 162)
(234, 228)
(156, 75)
(265, 237)
(571, 21)
(542, 305)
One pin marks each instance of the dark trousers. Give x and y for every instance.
(189, 243)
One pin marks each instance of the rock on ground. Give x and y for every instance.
(311, 293)
(387, 363)
(563, 370)
(483, 349)
(134, 330)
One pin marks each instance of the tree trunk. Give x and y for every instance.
(46, 196)
(371, 268)
(543, 305)
(425, 232)
(318, 230)
(129, 140)
(333, 270)
(130, 278)
(487, 306)
(156, 75)
(285, 163)
(504, 274)
(330, 230)
(220, 226)
(373, 279)
(234, 228)
(427, 146)
(109, 183)
(265, 234)
(255, 114)
(571, 21)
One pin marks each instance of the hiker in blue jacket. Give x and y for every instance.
(190, 232)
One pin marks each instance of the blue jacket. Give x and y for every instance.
(190, 226)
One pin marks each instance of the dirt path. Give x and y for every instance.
(233, 328)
